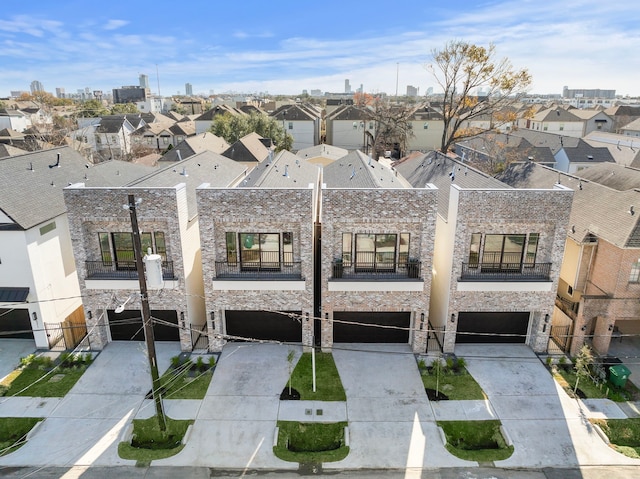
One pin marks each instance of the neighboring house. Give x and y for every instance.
(427, 126)
(11, 137)
(113, 137)
(196, 144)
(322, 154)
(205, 121)
(497, 254)
(301, 122)
(39, 291)
(250, 150)
(376, 255)
(14, 120)
(621, 147)
(258, 254)
(622, 115)
(162, 134)
(8, 150)
(555, 120)
(599, 286)
(38, 116)
(168, 220)
(631, 129)
(594, 120)
(350, 127)
(581, 155)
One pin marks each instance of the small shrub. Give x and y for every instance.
(549, 361)
(448, 365)
(437, 366)
(422, 366)
(212, 361)
(200, 364)
(175, 362)
(28, 361)
(461, 364)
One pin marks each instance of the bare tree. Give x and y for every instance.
(393, 128)
(462, 69)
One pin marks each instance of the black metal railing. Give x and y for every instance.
(122, 270)
(388, 270)
(505, 272)
(259, 270)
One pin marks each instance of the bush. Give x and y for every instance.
(200, 364)
(461, 364)
(175, 362)
(212, 361)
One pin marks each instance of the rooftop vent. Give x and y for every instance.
(57, 163)
(184, 171)
(589, 157)
(631, 211)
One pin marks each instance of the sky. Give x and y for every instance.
(285, 46)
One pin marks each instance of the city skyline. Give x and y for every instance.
(293, 47)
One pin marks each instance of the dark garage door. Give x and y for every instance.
(127, 326)
(265, 325)
(493, 327)
(14, 323)
(358, 333)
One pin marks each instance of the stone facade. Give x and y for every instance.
(390, 211)
(240, 210)
(545, 212)
(95, 210)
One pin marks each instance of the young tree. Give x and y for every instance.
(233, 127)
(124, 108)
(92, 109)
(461, 69)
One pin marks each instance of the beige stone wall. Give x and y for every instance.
(255, 211)
(396, 211)
(94, 210)
(510, 212)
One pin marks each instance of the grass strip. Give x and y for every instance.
(311, 442)
(479, 441)
(41, 383)
(328, 383)
(623, 434)
(149, 442)
(182, 384)
(458, 386)
(13, 432)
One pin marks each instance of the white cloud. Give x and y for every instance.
(115, 24)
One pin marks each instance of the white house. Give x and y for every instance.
(301, 122)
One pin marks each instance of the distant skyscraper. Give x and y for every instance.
(412, 91)
(144, 81)
(36, 86)
(188, 89)
(59, 92)
(347, 86)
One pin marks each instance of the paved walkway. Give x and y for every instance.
(391, 422)
(11, 350)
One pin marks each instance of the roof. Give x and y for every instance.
(490, 143)
(204, 167)
(555, 114)
(323, 153)
(633, 126)
(357, 170)
(612, 175)
(596, 209)
(426, 112)
(350, 112)
(583, 152)
(621, 147)
(32, 183)
(196, 144)
(433, 167)
(8, 150)
(249, 148)
(209, 115)
(588, 114)
(292, 113)
(13, 295)
(110, 125)
(11, 134)
(543, 139)
(286, 170)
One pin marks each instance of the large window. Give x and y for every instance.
(375, 251)
(634, 276)
(503, 251)
(118, 247)
(260, 250)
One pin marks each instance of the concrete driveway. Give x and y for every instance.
(236, 421)
(548, 428)
(390, 422)
(84, 427)
(11, 350)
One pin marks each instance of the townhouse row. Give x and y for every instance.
(430, 253)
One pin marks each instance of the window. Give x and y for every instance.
(375, 251)
(570, 290)
(634, 276)
(264, 251)
(371, 125)
(561, 126)
(119, 246)
(355, 125)
(503, 251)
(291, 125)
(46, 228)
(425, 126)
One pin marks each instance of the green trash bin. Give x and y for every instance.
(618, 375)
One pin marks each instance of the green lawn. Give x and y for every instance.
(624, 434)
(41, 383)
(149, 443)
(310, 442)
(180, 384)
(328, 383)
(458, 386)
(13, 431)
(567, 379)
(479, 441)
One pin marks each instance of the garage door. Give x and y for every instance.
(496, 327)
(371, 328)
(265, 325)
(14, 323)
(127, 326)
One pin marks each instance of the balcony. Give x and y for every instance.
(259, 270)
(506, 272)
(374, 271)
(121, 270)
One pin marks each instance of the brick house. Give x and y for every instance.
(498, 253)
(599, 285)
(168, 219)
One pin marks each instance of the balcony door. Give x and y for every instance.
(260, 251)
(375, 252)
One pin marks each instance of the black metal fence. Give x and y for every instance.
(122, 270)
(505, 272)
(560, 339)
(435, 338)
(261, 270)
(406, 270)
(200, 338)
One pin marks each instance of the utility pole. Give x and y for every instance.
(146, 315)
